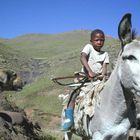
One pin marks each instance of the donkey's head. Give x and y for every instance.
(129, 67)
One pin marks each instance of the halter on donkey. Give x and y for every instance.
(113, 114)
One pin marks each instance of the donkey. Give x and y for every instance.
(114, 115)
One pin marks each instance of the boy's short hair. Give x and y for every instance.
(95, 32)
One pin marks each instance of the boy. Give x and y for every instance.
(95, 62)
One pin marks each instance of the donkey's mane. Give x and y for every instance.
(134, 34)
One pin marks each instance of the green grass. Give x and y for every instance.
(38, 96)
(58, 135)
(44, 45)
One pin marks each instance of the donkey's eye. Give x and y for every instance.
(130, 57)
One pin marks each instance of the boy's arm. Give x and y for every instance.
(105, 65)
(104, 72)
(84, 61)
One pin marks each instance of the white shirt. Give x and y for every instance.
(95, 59)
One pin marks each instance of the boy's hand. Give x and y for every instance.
(91, 74)
(100, 77)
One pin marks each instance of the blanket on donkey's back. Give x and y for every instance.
(85, 102)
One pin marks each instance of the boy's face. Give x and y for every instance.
(97, 41)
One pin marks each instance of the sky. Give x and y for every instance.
(20, 17)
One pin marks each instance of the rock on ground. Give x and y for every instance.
(14, 124)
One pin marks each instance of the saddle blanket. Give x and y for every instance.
(85, 101)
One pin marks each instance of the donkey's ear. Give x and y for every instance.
(124, 29)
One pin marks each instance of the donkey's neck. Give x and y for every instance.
(113, 106)
(115, 100)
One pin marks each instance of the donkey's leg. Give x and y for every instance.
(67, 136)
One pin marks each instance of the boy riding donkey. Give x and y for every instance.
(95, 62)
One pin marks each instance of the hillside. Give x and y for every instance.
(38, 58)
(57, 49)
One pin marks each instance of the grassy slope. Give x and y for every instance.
(57, 49)
(11, 58)
(61, 52)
